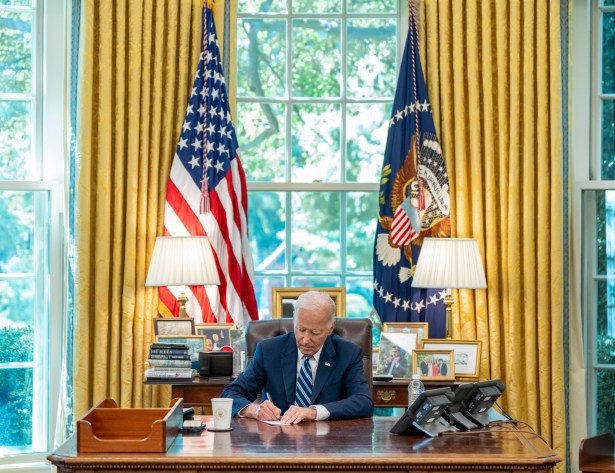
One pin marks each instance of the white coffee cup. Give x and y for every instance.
(222, 409)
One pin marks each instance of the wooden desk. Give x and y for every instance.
(329, 446)
(198, 393)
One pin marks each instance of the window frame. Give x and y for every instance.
(48, 142)
(587, 192)
(343, 188)
(586, 99)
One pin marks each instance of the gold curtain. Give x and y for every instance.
(137, 64)
(493, 72)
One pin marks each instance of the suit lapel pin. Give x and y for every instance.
(327, 363)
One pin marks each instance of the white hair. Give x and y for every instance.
(315, 300)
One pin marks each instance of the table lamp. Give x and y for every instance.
(449, 263)
(182, 261)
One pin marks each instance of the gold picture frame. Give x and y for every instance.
(434, 365)
(282, 299)
(164, 326)
(467, 354)
(375, 359)
(218, 334)
(421, 329)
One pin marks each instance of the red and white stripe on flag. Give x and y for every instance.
(402, 231)
(207, 150)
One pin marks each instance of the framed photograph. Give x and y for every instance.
(467, 354)
(436, 365)
(218, 335)
(195, 343)
(375, 355)
(283, 299)
(421, 329)
(237, 335)
(173, 326)
(395, 355)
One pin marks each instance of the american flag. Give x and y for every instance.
(413, 205)
(206, 195)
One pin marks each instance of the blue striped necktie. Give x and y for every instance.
(303, 395)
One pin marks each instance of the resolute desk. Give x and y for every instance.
(332, 446)
(198, 392)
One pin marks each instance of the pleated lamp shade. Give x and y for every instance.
(452, 263)
(182, 261)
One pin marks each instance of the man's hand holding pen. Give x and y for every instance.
(267, 410)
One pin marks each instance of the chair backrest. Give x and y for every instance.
(358, 331)
(596, 454)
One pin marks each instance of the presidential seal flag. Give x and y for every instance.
(413, 200)
(206, 195)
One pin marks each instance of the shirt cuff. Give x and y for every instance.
(322, 412)
(239, 414)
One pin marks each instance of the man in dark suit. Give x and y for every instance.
(340, 389)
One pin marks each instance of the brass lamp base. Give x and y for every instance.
(182, 299)
(448, 301)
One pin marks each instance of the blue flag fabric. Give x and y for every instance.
(411, 207)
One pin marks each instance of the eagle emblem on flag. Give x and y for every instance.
(410, 224)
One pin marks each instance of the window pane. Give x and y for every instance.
(601, 216)
(316, 6)
(261, 58)
(24, 306)
(15, 144)
(262, 147)
(360, 230)
(262, 287)
(371, 6)
(16, 232)
(17, 302)
(366, 135)
(316, 142)
(16, 399)
(605, 408)
(371, 60)
(605, 328)
(266, 222)
(16, 52)
(608, 52)
(315, 231)
(608, 139)
(359, 292)
(315, 281)
(316, 58)
(261, 6)
(23, 3)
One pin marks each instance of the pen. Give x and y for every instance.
(269, 398)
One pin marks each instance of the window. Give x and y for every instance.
(315, 85)
(599, 257)
(598, 207)
(30, 240)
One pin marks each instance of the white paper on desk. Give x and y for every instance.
(274, 422)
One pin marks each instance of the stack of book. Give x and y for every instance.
(169, 361)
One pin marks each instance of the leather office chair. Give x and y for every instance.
(358, 331)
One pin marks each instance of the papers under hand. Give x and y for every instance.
(273, 422)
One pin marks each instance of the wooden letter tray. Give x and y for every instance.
(107, 428)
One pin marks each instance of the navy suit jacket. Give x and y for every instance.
(340, 383)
